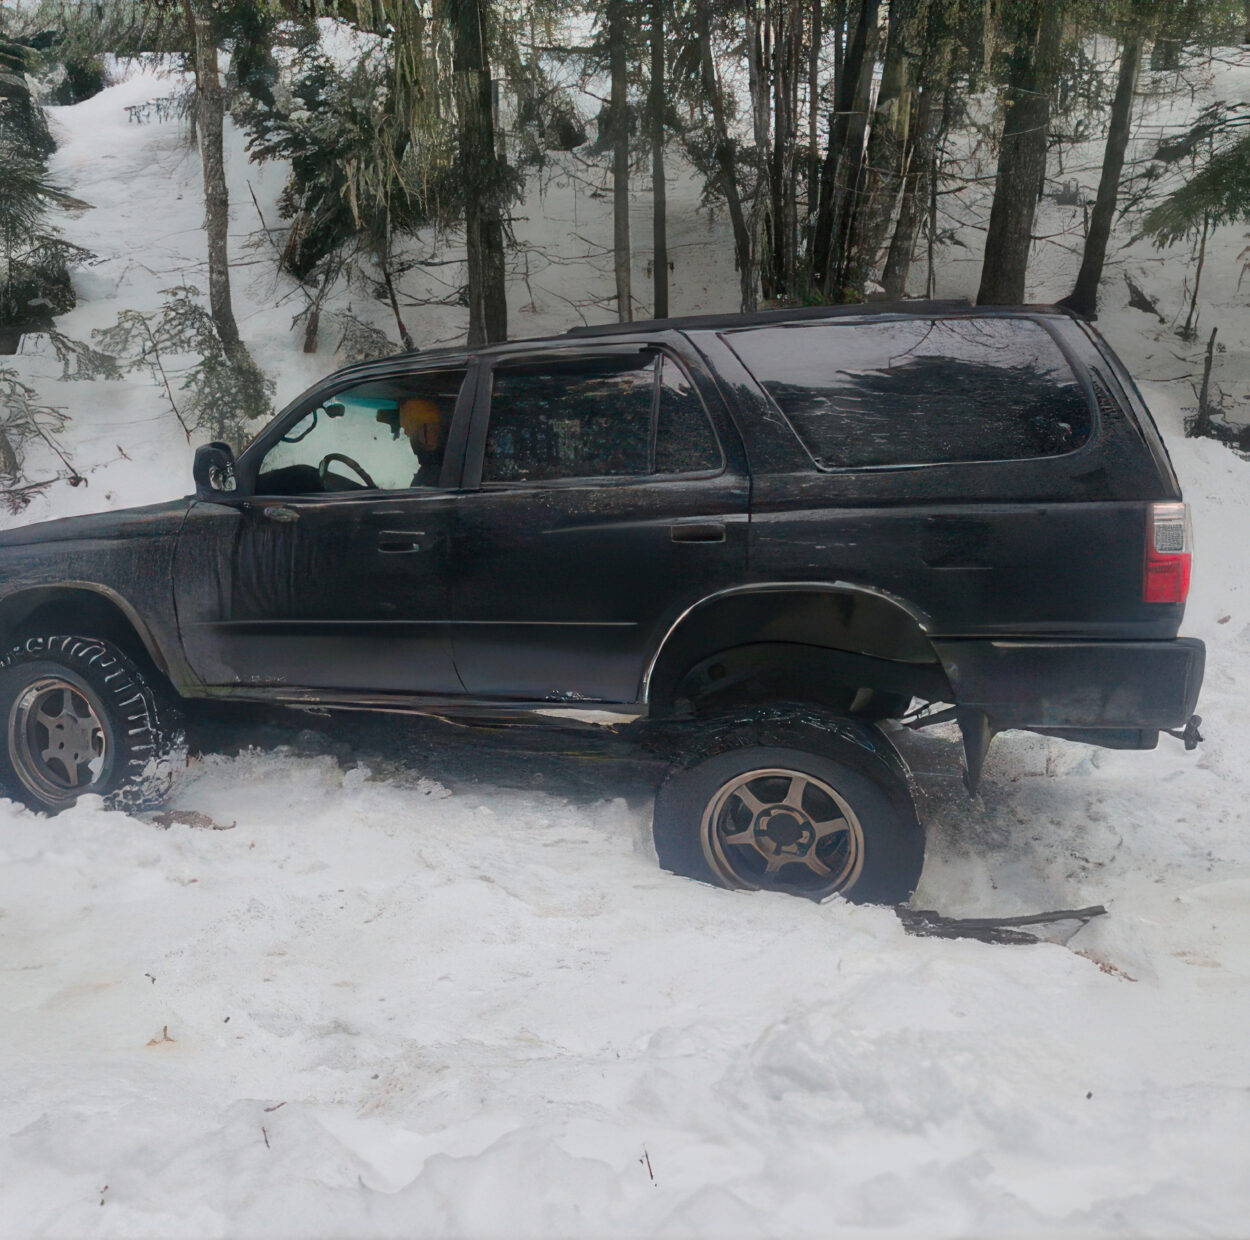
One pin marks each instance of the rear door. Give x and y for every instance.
(604, 491)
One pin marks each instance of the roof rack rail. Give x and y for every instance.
(787, 315)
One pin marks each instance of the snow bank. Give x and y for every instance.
(404, 1006)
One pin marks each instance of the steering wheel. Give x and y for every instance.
(324, 468)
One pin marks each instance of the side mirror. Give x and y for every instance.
(213, 470)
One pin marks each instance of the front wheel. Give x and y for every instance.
(80, 717)
(807, 806)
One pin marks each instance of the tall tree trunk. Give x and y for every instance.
(1084, 297)
(483, 173)
(618, 56)
(927, 128)
(813, 105)
(888, 142)
(759, 34)
(1022, 152)
(659, 192)
(844, 156)
(404, 334)
(787, 44)
(210, 118)
(726, 156)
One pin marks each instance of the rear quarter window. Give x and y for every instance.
(920, 391)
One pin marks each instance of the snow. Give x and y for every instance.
(428, 982)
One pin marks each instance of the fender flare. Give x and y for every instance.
(42, 594)
(915, 615)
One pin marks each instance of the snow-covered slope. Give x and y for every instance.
(430, 986)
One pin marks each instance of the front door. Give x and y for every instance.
(330, 571)
(609, 500)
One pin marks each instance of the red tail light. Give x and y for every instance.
(1169, 544)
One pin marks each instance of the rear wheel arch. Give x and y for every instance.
(793, 641)
(794, 800)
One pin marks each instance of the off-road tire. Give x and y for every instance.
(95, 694)
(848, 772)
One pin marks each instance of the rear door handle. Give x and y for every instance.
(400, 542)
(698, 531)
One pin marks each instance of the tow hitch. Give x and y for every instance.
(1189, 734)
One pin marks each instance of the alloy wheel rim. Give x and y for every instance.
(57, 741)
(779, 829)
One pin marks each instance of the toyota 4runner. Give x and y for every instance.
(765, 533)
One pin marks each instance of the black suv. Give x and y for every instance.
(761, 534)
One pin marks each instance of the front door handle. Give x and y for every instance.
(698, 531)
(280, 512)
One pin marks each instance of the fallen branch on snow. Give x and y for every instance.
(929, 923)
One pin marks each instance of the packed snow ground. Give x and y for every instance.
(433, 983)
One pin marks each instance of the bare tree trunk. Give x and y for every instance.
(758, 27)
(920, 158)
(389, 282)
(659, 193)
(210, 117)
(312, 324)
(1201, 424)
(1022, 153)
(1084, 297)
(888, 142)
(813, 106)
(726, 158)
(844, 158)
(1191, 323)
(481, 168)
(787, 43)
(618, 55)
(840, 43)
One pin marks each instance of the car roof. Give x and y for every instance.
(917, 308)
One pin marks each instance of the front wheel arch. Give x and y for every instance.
(78, 716)
(84, 607)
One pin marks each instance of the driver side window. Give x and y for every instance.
(385, 435)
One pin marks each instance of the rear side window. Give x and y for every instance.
(596, 417)
(920, 392)
(684, 439)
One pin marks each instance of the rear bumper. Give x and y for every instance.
(1070, 687)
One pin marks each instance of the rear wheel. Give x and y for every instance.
(809, 806)
(80, 717)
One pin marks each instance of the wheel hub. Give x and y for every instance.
(785, 830)
(57, 741)
(71, 743)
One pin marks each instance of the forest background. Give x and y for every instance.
(827, 150)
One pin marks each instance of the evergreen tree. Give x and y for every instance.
(34, 260)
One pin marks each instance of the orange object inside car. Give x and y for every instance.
(422, 421)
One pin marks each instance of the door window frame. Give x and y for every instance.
(247, 467)
(485, 366)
